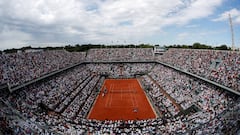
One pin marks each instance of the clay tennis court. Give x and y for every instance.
(121, 99)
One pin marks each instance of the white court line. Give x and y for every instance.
(121, 93)
(134, 97)
(130, 88)
(95, 101)
(110, 103)
(131, 96)
(107, 101)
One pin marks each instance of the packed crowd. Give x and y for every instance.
(163, 105)
(222, 67)
(12, 123)
(76, 107)
(120, 54)
(71, 85)
(225, 123)
(121, 70)
(61, 88)
(186, 91)
(69, 95)
(17, 68)
(78, 87)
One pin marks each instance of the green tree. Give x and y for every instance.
(222, 47)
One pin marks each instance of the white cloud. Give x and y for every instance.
(235, 14)
(196, 9)
(10, 38)
(100, 21)
(183, 36)
(237, 20)
(192, 26)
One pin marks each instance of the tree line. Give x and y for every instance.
(85, 47)
(200, 46)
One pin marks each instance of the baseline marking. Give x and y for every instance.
(111, 95)
(131, 96)
(134, 96)
(108, 98)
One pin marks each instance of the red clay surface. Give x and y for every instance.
(125, 100)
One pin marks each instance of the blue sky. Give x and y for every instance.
(57, 22)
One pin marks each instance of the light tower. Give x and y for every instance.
(232, 33)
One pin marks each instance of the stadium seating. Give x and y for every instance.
(186, 91)
(120, 54)
(18, 68)
(220, 66)
(121, 70)
(69, 95)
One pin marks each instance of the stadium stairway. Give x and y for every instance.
(167, 95)
(73, 95)
(86, 106)
(60, 110)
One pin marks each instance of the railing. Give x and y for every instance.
(12, 89)
(112, 62)
(201, 78)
